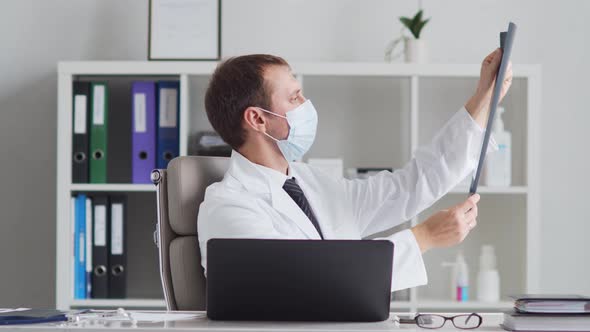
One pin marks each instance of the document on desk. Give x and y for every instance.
(6, 310)
(155, 316)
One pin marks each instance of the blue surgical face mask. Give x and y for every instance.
(303, 122)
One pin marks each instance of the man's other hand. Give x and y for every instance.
(447, 227)
(478, 106)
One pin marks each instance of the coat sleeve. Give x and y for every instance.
(408, 266)
(388, 199)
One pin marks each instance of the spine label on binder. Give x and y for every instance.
(117, 229)
(98, 99)
(168, 100)
(139, 112)
(80, 114)
(100, 230)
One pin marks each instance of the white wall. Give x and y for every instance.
(36, 34)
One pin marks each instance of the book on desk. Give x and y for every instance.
(548, 313)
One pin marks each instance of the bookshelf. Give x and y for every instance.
(391, 108)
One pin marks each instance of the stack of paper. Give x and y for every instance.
(552, 304)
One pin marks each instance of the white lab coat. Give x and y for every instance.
(250, 203)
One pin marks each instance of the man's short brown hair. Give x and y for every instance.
(237, 84)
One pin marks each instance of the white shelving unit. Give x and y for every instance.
(404, 101)
(493, 190)
(112, 187)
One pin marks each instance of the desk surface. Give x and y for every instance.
(201, 323)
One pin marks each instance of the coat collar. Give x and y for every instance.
(262, 180)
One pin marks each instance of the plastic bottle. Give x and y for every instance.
(459, 279)
(462, 282)
(498, 167)
(488, 278)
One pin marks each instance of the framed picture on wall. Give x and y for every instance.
(184, 30)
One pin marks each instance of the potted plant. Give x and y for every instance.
(415, 49)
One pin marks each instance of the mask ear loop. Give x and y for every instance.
(275, 114)
(274, 139)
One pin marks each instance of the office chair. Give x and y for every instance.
(180, 191)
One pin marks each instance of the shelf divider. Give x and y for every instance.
(115, 187)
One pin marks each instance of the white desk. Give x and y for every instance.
(490, 323)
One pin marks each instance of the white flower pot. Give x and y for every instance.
(416, 50)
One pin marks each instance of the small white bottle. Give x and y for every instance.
(452, 280)
(498, 164)
(488, 278)
(462, 282)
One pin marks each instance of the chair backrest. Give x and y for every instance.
(180, 190)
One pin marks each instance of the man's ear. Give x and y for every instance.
(254, 119)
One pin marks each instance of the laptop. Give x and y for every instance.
(299, 280)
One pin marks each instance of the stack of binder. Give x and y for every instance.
(120, 137)
(548, 313)
(99, 235)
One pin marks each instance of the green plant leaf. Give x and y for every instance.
(417, 19)
(406, 22)
(415, 22)
(420, 27)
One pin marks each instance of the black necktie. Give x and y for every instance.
(293, 189)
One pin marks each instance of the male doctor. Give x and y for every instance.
(257, 106)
